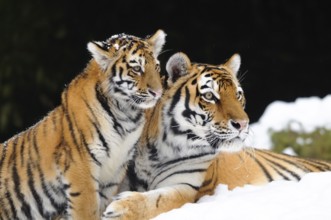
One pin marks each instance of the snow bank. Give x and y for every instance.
(305, 200)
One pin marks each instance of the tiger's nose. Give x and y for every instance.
(155, 93)
(239, 125)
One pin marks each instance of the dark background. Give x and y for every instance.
(285, 46)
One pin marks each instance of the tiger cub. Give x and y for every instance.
(78, 153)
(199, 115)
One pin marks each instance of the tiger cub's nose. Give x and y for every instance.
(155, 93)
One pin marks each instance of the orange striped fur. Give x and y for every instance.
(71, 162)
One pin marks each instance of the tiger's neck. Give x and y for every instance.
(164, 139)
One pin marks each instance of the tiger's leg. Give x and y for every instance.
(146, 205)
(82, 194)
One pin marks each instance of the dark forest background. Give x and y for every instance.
(285, 46)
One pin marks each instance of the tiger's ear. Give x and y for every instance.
(177, 66)
(234, 63)
(157, 41)
(101, 53)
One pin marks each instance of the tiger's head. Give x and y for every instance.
(130, 68)
(205, 107)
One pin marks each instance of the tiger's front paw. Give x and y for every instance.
(126, 206)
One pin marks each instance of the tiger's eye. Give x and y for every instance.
(136, 69)
(209, 95)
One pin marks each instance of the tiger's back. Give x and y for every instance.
(257, 167)
(78, 152)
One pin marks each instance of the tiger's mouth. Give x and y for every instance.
(221, 141)
(143, 101)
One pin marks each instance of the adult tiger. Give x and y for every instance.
(201, 114)
(172, 160)
(79, 151)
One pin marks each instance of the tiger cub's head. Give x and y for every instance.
(130, 68)
(206, 107)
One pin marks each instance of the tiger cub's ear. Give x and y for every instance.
(157, 41)
(177, 66)
(233, 63)
(103, 53)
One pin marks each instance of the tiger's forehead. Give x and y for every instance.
(128, 42)
(213, 78)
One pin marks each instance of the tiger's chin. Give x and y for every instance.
(146, 104)
(231, 146)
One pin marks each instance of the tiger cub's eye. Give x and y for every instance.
(240, 94)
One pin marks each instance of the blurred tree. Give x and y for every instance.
(32, 69)
(314, 144)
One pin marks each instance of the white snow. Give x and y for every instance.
(305, 200)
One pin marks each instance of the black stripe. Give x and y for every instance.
(68, 119)
(279, 173)
(3, 156)
(4, 214)
(171, 165)
(175, 99)
(113, 71)
(289, 161)
(44, 126)
(188, 113)
(134, 180)
(58, 207)
(95, 160)
(96, 125)
(120, 73)
(211, 180)
(152, 152)
(283, 168)
(14, 174)
(204, 87)
(20, 196)
(181, 172)
(196, 188)
(22, 146)
(103, 186)
(102, 139)
(35, 144)
(174, 127)
(103, 196)
(34, 192)
(264, 170)
(119, 83)
(103, 102)
(319, 165)
(54, 117)
(182, 159)
(9, 198)
(137, 117)
(74, 194)
(117, 90)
